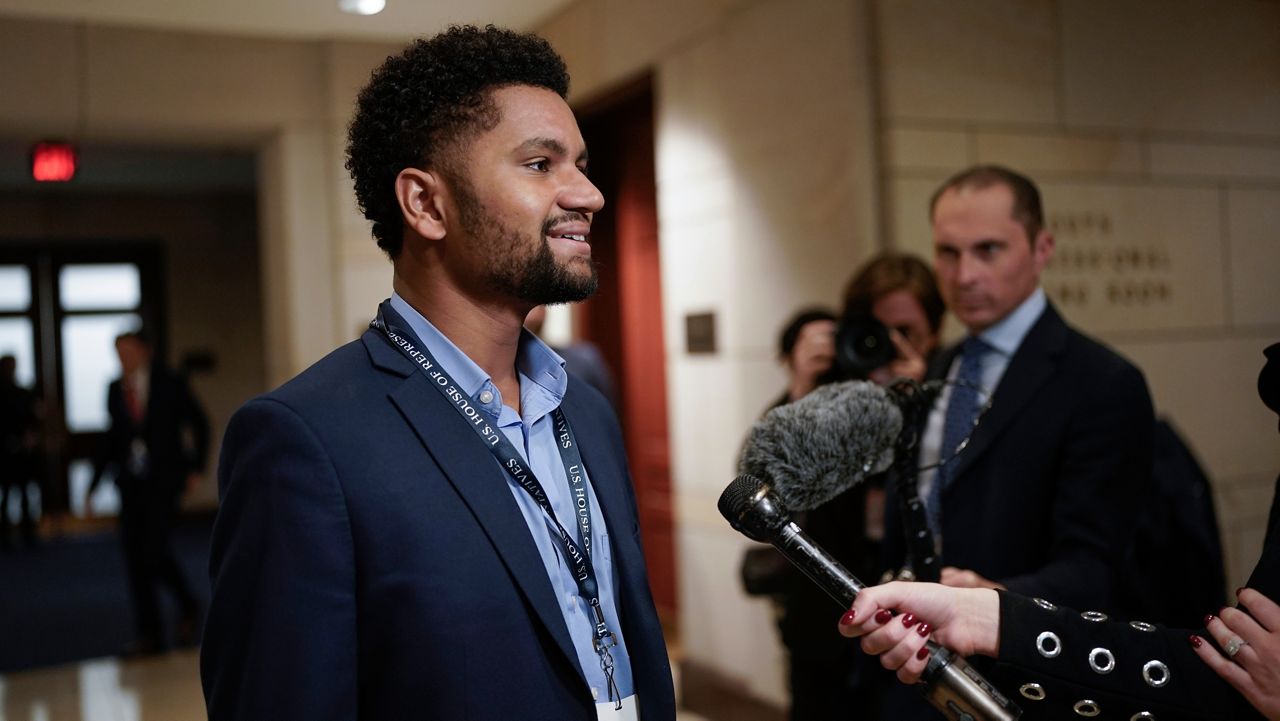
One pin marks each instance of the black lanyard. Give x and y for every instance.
(577, 556)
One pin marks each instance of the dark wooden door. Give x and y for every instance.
(625, 317)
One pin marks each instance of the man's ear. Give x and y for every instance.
(421, 197)
(1042, 249)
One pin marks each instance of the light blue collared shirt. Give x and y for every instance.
(1004, 338)
(542, 386)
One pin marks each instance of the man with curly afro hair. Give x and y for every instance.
(436, 521)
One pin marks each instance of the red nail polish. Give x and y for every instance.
(1208, 618)
(847, 618)
(883, 615)
(909, 620)
(1195, 641)
(924, 629)
(923, 653)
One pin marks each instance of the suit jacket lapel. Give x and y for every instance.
(476, 476)
(1031, 366)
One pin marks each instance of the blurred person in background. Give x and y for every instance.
(807, 348)
(828, 678)
(899, 290)
(156, 447)
(19, 444)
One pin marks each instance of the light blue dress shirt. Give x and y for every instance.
(542, 386)
(1004, 338)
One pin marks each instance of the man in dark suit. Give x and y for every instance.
(436, 521)
(157, 444)
(1040, 499)
(19, 439)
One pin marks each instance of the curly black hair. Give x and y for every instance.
(421, 102)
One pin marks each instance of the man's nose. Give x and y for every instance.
(967, 269)
(581, 194)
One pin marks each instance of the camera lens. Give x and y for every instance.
(862, 345)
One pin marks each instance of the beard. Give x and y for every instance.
(521, 266)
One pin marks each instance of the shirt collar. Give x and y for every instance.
(534, 359)
(1006, 335)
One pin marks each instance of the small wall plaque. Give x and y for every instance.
(700, 333)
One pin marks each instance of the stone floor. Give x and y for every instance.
(165, 688)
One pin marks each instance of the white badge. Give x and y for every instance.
(630, 710)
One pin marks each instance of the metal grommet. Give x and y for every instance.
(1033, 691)
(1086, 707)
(1095, 616)
(1101, 660)
(1048, 644)
(1044, 604)
(1155, 673)
(1142, 626)
(1143, 716)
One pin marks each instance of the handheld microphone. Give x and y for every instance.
(821, 445)
(950, 684)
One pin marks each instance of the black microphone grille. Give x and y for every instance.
(737, 497)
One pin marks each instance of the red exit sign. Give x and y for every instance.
(53, 162)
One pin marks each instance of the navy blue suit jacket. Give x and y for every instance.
(1043, 497)
(369, 561)
(172, 412)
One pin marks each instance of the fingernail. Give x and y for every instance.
(924, 629)
(1240, 590)
(847, 618)
(1208, 618)
(883, 615)
(1195, 640)
(923, 653)
(909, 620)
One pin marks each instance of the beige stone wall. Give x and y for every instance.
(1154, 131)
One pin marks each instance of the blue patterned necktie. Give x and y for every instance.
(962, 410)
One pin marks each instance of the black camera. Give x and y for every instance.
(862, 345)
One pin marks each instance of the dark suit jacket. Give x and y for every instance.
(172, 413)
(369, 561)
(1044, 494)
(1192, 691)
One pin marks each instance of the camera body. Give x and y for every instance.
(862, 345)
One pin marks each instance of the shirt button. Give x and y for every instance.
(486, 397)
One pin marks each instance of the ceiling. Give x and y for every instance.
(314, 19)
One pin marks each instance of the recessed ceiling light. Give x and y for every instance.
(362, 7)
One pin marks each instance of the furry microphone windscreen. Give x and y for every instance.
(816, 448)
